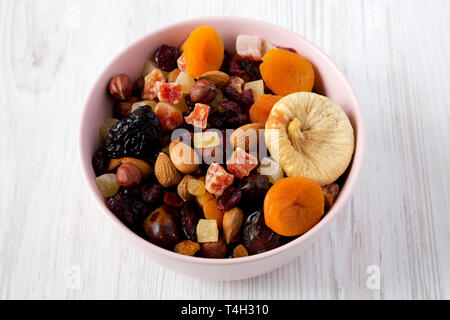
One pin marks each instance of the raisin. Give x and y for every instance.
(152, 193)
(236, 69)
(254, 187)
(138, 135)
(189, 221)
(251, 68)
(189, 103)
(256, 236)
(173, 199)
(129, 210)
(99, 162)
(166, 58)
(229, 199)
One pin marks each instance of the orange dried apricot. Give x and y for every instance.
(203, 51)
(286, 72)
(211, 211)
(260, 110)
(293, 206)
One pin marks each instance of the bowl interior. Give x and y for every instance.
(330, 82)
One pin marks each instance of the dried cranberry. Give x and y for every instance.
(173, 199)
(189, 221)
(236, 69)
(234, 115)
(256, 236)
(99, 162)
(229, 198)
(152, 193)
(166, 58)
(232, 94)
(247, 98)
(251, 68)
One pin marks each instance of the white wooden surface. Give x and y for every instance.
(395, 53)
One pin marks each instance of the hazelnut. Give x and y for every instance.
(216, 249)
(124, 108)
(128, 175)
(121, 87)
(203, 91)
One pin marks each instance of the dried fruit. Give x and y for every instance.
(203, 91)
(217, 100)
(216, 250)
(232, 222)
(256, 236)
(161, 228)
(107, 184)
(217, 179)
(172, 199)
(293, 206)
(330, 192)
(186, 81)
(138, 135)
(100, 162)
(241, 163)
(146, 103)
(267, 46)
(121, 87)
(254, 188)
(246, 137)
(257, 87)
(183, 190)
(271, 169)
(152, 81)
(123, 109)
(189, 220)
(237, 84)
(206, 139)
(183, 157)
(285, 72)
(207, 231)
(169, 116)
(152, 194)
(145, 169)
(138, 86)
(104, 129)
(196, 187)
(170, 92)
(218, 78)
(229, 198)
(211, 212)
(249, 47)
(187, 247)
(260, 110)
(204, 198)
(203, 51)
(239, 251)
(128, 175)
(310, 136)
(181, 62)
(129, 210)
(166, 57)
(199, 116)
(173, 75)
(165, 171)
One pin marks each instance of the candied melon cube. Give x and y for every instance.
(271, 169)
(207, 139)
(207, 231)
(257, 87)
(186, 81)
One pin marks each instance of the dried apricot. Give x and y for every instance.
(203, 51)
(211, 211)
(260, 110)
(293, 206)
(286, 72)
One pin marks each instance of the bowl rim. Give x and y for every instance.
(341, 201)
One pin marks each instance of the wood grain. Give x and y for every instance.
(395, 54)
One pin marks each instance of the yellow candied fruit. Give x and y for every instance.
(196, 187)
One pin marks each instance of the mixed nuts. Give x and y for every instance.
(195, 157)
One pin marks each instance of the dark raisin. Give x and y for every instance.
(152, 193)
(189, 103)
(166, 57)
(236, 69)
(129, 210)
(229, 198)
(256, 236)
(254, 187)
(138, 135)
(172, 199)
(189, 220)
(245, 99)
(100, 162)
(251, 68)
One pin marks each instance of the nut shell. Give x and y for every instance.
(165, 171)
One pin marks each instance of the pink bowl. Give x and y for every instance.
(330, 82)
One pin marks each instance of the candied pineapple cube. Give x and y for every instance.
(207, 230)
(271, 169)
(186, 81)
(196, 187)
(257, 87)
(207, 139)
(107, 184)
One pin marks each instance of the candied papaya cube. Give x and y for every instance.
(217, 179)
(199, 116)
(151, 83)
(241, 163)
(169, 116)
(170, 92)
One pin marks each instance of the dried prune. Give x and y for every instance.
(162, 228)
(166, 57)
(152, 193)
(256, 236)
(99, 162)
(189, 221)
(138, 135)
(230, 198)
(255, 187)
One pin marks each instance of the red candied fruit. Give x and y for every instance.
(241, 163)
(151, 83)
(169, 116)
(170, 92)
(182, 63)
(199, 116)
(217, 179)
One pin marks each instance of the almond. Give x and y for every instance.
(165, 171)
(246, 137)
(145, 169)
(231, 223)
(113, 164)
(220, 79)
(183, 157)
